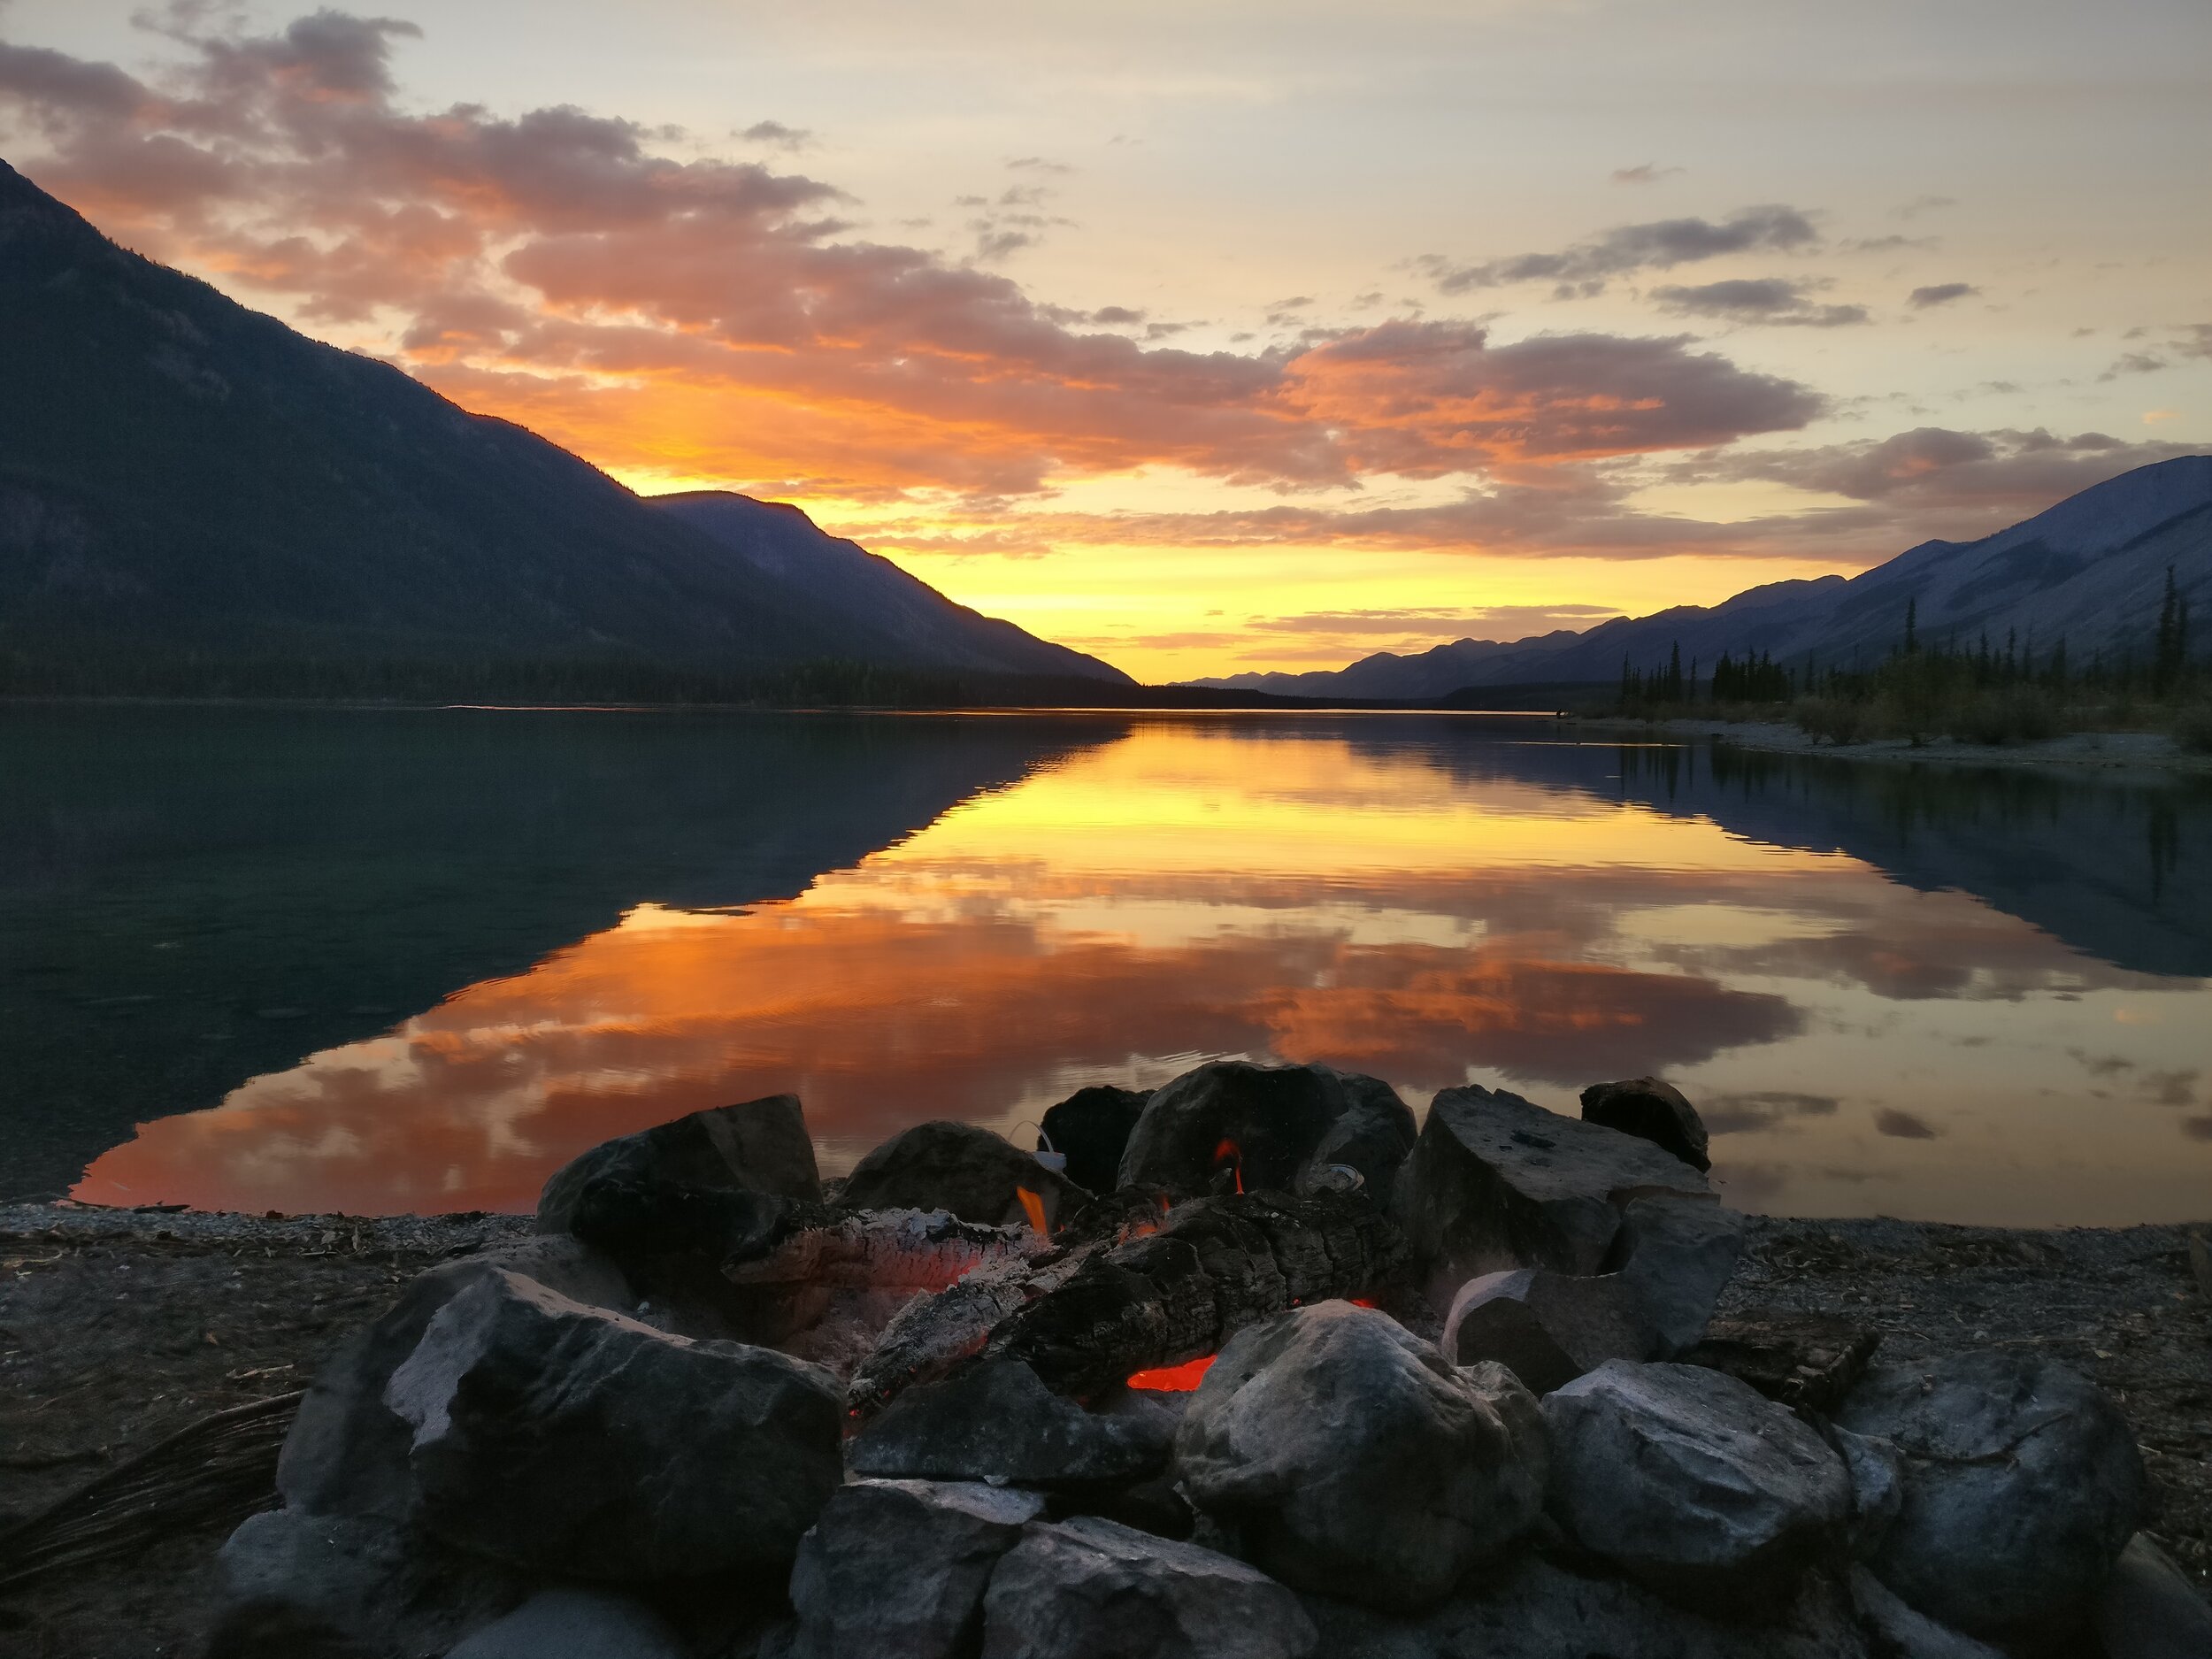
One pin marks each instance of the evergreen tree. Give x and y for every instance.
(1912, 625)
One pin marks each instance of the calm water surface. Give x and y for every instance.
(378, 961)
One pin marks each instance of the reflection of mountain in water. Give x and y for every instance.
(191, 897)
(2121, 871)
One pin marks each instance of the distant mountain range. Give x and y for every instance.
(187, 487)
(2091, 570)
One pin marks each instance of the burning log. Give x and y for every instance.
(1086, 1319)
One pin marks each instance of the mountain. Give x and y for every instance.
(187, 487)
(782, 544)
(2090, 571)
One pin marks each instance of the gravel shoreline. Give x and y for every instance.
(119, 1327)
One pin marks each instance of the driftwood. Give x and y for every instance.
(216, 1471)
(1086, 1318)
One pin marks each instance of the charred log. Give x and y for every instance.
(1086, 1318)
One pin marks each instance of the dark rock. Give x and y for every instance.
(1546, 1328)
(760, 1147)
(1530, 1607)
(1496, 1182)
(971, 1172)
(347, 1452)
(1272, 1128)
(1677, 1256)
(1798, 1360)
(1876, 1473)
(573, 1441)
(896, 1569)
(1690, 1482)
(2023, 1483)
(1348, 1456)
(1900, 1633)
(995, 1421)
(1652, 1110)
(2148, 1609)
(1089, 1588)
(296, 1586)
(1091, 1129)
(573, 1624)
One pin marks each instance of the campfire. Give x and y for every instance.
(1248, 1352)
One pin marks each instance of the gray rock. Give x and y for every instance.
(995, 1421)
(2023, 1483)
(760, 1147)
(1901, 1634)
(2148, 1609)
(1277, 1127)
(1348, 1456)
(573, 1441)
(1652, 1110)
(296, 1586)
(1496, 1182)
(1690, 1482)
(1546, 1328)
(1091, 1129)
(1093, 1589)
(971, 1172)
(347, 1452)
(1531, 1607)
(896, 1569)
(573, 1624)
(1676, 1256)
(1876, 1473)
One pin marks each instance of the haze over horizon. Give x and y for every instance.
(1216, 339)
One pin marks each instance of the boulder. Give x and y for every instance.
(1278, 1128)
(1876, 1473)
(1529, 1607)
(297, 1585)
(576, 1623)
(1652, 1110)
(1546, 1328)
(1807, 1361)
(1347, 1455)
(1091, 1129)
(972, 1173)
(896, 1569)
(1691, 1483)
(1089, 1588)
(1900, 1633)
(1496, 1182)
(2023, 1483)
(569, 1441)
(1676, 1256)
(759, 1147)
(995, 1421)
(2148, 1609)
(347, 1451)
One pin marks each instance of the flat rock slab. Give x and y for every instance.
(761, 1146)
(1089, 1588)
(972, 1173)
(1693, 1484)
(1496, 1182)
(1348, 1456)
(2023, 1483)
(1653, 1110)
(899, 1568)
(572, 1442)
(1231, 1125)
(1796, 1359)
(996, 1421)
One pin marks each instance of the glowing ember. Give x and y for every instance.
(1174, 1379)
(1034, 1206)
(1228, 1153)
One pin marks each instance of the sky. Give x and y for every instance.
(1214, 337)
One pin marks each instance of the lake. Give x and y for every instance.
(413, 960)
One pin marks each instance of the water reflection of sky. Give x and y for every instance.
(1189, 891)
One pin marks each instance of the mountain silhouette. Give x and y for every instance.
(190, 490)
(2090, 571)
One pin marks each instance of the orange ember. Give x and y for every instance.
(1228, 1152)
(1174, 1379)
(1034, 1206)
